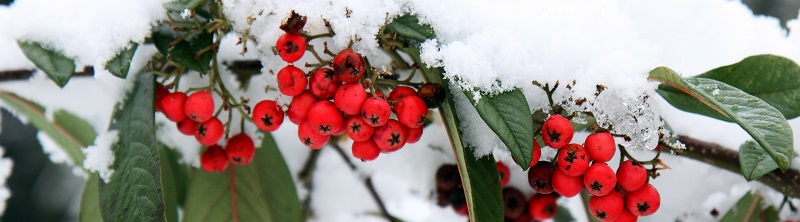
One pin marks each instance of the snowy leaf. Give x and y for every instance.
(408, 28)
(90, 202)
(121, 63)
(134, 192)
(754, 161)
(508, 115)
(244, 71)
(57, 66)
(180, 5)
(763, 122)
(774, 79)
(260, 191)
(748, 208)
(68, 131)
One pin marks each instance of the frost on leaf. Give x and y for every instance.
(626, 115)
(99, 156)
(5, 171)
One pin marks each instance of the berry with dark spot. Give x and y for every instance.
(600, 147)
(572, 160)
(291, 80)
(309, 137)
(187, 127)
(557, 131)
(357, 129)
(267, 115)
(299, 106)
(400, 92)
(505, 173)
(606, 208)
(240, 149)
(447, 177)
(414, 134)
(199, 106)
(390, 137)
(365, 150)
(432, 93)
(411, 111)
(540, 177)
(294, 23)
(324, 118)
(376, 111)
(291, 47)
(349, 66)
(514, 202)
(566, 185)
(213, 159)
(349, 98)
(644, 201)
(599, 179)
(209, 132)
(631, 175)
(542, 206)
(626, 216)
(324, 83)
(340, 131)
(172, 106)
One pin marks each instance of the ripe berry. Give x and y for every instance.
(340, 131)
(349, 66)
(447, 177)
(324, 83)
(540, 177)
(309, 137)
(187, 127)
(267, 115)
(199, 106)
(505, 173)
(298, 107)
(557, 131)
(537, 153)
(324, 118)
(240, 149)
(376, 111)
(626, 216)
(566, 185)
(414, 134)
(161, 92)
(172, 106)
(365, 150)
(291, 47)
(644, 201)
(400, 92)
(606, 208)
(213, 159)
(542, 206)
(294, 23)
(357, 129)
(524, 217)
(209, 132)
(600, 146)
(599, 179)
(390, 137)
(631, 175)
(572, 160)
(350, 97)
(432, 93)
(411, 111)
(291, 80)
(514, 202)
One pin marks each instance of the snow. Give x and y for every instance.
(6, 164)
(100, 157)
(52, 149)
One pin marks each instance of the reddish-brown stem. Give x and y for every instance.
(234, 210)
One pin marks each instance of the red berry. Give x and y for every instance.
(447, 177)
(557, 131)
(400, 92)
(298, 108)
(309, 137)
(606, 208)
(291, 47)
(432, 93)
(514, 202)
(324, 83)
(390, 137)
(462, 209)
(199, 106)
(267, 115)
(414, 134)
(291, 80)
(294, 23)
(365, 150)
(411, 111)
(540, 177)
(626, 216)
(350, 97)
(340, 131)
(599, 179)
(505, 173)
(209, 132)
(537, 153)
(542, 206)
(631, 175)
(161, 92)
(357, 129)
(566, 185)
(572, 160)
(600, 146)
(524, 217)
(240, 149)
(213, 159)
(172, 106)
(349, 66)
(187, 127)
(324, 118)
(376, 111)
(644, 201)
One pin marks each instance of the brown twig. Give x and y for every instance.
(24, 74)
(307, 179)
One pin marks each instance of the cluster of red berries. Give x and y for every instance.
(615, 196)
(449, 189)
(518, 208)
(194, 115)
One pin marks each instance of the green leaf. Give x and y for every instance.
(169, 178)
(771, 214)
(161, 40)
(244, 71)
(748, 208)
(57, 66)
(774, 79)
(262, 191)
(180, 5)
(90, 202)
(68, 131)
(563, 214)
(755, 161)
(509, 116)
(121, 63)
(408, 29)
(134, 192)
(184, 52)
(763, 122)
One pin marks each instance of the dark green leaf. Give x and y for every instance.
(755, 161)
(563, 214)
(748, 208)
(409, 29)
(770, 214)
(121, 63)
(263, 191)
(184, 52)
(509, 116)
(169, 178)
(763, 122)
(57, 66)
(90, 202)
(75, 126)
(162, 39)
(134, 192)
(245, 70)
(180, 5)
(774, 79)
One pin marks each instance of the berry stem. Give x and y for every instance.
(234, 209)
(329, 33)
(396, 82)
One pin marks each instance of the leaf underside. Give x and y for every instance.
(56, 65)
(509, 117)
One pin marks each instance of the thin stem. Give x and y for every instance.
(307, 178)
(367, 182)
(396, 82)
